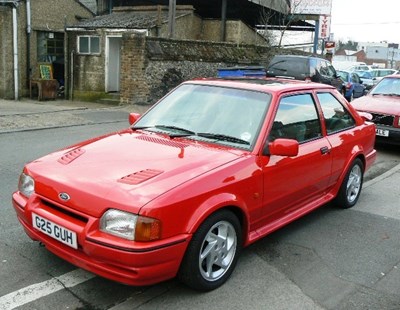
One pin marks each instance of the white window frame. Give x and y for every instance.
(89, 45)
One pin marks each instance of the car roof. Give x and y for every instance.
(298, 56)
(392, 76)
(270, 85)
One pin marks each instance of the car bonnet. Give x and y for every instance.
(124, 171)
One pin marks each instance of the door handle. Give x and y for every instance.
(325, 150)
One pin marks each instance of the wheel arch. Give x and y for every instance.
(217, 203)
(357, 153)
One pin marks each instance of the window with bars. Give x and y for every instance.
(50, 46)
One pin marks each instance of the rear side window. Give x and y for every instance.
(289, 67)
(337, 118)
(296, 118)
(327, 69)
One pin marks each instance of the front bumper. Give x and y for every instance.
(128, 262)
(392, 138)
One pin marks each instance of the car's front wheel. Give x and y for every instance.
(213, 252)
(350, 189)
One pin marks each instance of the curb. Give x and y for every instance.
(382, 177)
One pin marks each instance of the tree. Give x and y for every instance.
(349, 45)
(276, 20)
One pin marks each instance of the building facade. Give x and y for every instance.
(33, 32)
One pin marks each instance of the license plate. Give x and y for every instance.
(382, 132)
(55, 231)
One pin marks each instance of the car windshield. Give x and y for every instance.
(214, 114)
(388, 87)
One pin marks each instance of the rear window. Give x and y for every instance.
(293, 67)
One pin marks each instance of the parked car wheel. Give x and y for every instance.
(351, 187)
(213, 252)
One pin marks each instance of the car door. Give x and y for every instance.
(358, 86)
(339, 125)
(292, 182)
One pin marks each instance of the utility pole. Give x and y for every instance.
(223, 20)
(171, 18)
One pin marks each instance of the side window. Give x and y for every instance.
(336, 117)
(355, 78)
(296, 118)
(331, 70)
(323, 69)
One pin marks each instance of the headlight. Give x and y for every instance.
(26, 185)
(130, 226)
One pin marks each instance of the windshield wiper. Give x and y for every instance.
(391, 94)
(185, 132)
(222, 137)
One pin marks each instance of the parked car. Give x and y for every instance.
(378, 74)
(212, 167)
(306, 68)
(352, 85)
(363, 67)
(366, 77)
(383, 102)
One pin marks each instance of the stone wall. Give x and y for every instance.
(88, 70)
(153, 66)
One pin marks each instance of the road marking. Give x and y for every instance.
(38, 290)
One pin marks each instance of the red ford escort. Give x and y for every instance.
(211, 168)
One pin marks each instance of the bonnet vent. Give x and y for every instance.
(162, 141)
(140, 176)
(70, 156)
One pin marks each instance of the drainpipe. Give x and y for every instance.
(15, 51)
(71, 82)
(28, 41)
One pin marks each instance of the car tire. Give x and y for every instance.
(213, 252)
(350, 189)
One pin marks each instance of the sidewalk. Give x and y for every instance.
(29, 114)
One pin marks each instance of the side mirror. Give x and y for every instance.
(133, 117)
(283, 147)
(365, 116)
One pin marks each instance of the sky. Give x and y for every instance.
(366, 20)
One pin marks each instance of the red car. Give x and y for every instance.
(213, 167)
(383, 102)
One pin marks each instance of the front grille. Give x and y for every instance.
(382, 119)
(53, 206)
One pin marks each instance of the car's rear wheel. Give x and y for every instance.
(213, 252)
(351, 187)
